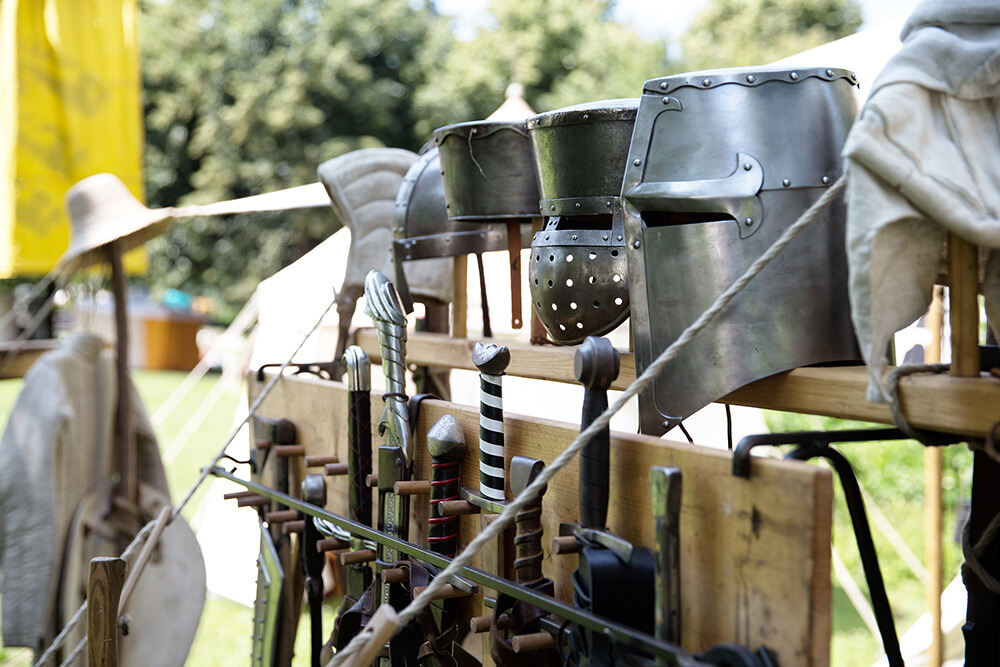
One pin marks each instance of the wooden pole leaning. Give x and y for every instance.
(932, 495)
(104, 587)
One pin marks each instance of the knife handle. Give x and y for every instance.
(359, 458)
(595, 461)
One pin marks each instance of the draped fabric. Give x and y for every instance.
(70, 106)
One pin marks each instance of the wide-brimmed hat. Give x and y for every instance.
(101, 211)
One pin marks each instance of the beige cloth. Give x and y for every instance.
(55, 450)
(921, 162)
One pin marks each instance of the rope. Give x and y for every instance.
(896, 407)
(527, 496)
(61, 637)
(972, 553)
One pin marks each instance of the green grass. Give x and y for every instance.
(891, 472)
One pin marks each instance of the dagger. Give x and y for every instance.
(446, 445)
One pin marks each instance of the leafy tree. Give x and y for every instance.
(730, 33)
(563, 52)
(250, 96)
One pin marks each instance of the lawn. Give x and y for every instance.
(891, 472)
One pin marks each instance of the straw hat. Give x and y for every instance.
(102, 210)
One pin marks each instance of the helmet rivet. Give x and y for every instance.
(608, 203)
(706, 82)
(604, 238)
(636, 244)
(552, 207)
(586, 116)
(575, 237)
(794, 76)
(663, 85)
(578, 205)
(751, 78)
(785, 183)
(829, 72)
(442, 172)
(447, 205)
(747, 166)
(826, 180)
(637, 162)
(666, 99)
(546, 237)
(619, 237)
(475, 130)
(748, 222)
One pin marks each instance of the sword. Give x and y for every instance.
(492, 361)
(665, 490)
(446, 445)
(394, 457)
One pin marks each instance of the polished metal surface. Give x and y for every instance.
(423, 230)
(488, 171)
(382, 305)
(580, 155)
(720, 164)
(579, 279)
(577, 272)
(270, 578)
(359, 369)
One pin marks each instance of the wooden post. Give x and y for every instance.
(460, 300)
(963, 304)
(127, 465)
(932, 495)
(107, 575)
(514, 250)
(538, 335)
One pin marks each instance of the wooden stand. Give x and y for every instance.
(107, 575)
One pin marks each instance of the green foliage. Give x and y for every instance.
(729, 33)
(563, 52)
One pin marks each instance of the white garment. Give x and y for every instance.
(55, 449)
(922, 161)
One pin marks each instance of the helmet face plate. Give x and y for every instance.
(578, 275)
(720, 164)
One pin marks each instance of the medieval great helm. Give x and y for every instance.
(721, 163)
(578, 273)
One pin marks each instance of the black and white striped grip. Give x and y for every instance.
(491, 476)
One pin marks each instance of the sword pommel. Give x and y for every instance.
(359, 369)
(491, 358)
(596, 363)
(445, 440)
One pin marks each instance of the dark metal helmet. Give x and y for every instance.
(577, 273)
(488, 171)
(721, 163)
(422, 228)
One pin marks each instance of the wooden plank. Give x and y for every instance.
(460, 298)
(756, 562)
(104, 586)
(955, 405)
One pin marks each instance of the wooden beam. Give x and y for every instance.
(955, 405)
(756, 553)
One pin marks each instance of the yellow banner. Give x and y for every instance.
(70, 107)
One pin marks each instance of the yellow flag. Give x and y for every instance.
(70, 107)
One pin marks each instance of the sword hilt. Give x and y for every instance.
(382, 305)
(359, 435)
(446, 444)
(665, 486)
(491, 360)
(595, 365)
(528, 539)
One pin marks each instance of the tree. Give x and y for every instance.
(730, 33)
(563, 52)
(250, 96)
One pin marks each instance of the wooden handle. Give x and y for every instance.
(536, 641)
(292, 527)
(334, 469)
(394, 575)
(320, 461)
(236, 495)
(566, 544)
(416, 487)
(104, 587)
(446, 593)
(280, 516)
(457, 507)
(253, 500)
(480, 624)
(290, 450)
(331, 544)
(371, 481)
(353, 557)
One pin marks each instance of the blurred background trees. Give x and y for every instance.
(250, 96)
